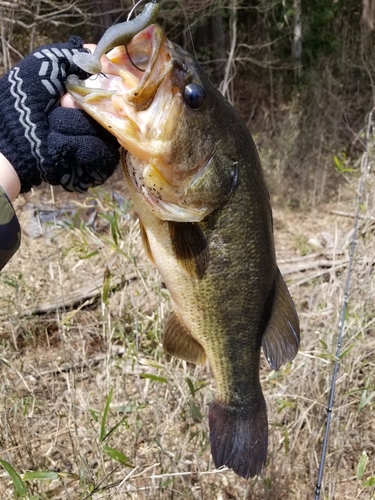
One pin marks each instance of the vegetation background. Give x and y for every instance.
(90, 406)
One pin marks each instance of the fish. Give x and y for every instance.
(197, 184)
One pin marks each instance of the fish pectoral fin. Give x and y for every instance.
(145, 242)
(281, 338)
(178, 341)
(190, 247)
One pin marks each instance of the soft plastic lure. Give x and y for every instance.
(116, 35)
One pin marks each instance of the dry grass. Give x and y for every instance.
(59, 368)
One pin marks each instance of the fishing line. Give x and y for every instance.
(134, 7)
(365, 167)
(188, 28)
(131, 60)
(187, 24)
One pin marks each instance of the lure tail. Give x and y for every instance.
(239, 436)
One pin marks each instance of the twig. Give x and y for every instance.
(305, 266)
(317, 275)
(131, 476)
(352, 216)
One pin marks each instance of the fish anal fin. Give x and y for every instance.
(190, 247)
(239, 436)
(178, 341)
(281, 338)
(145, 242)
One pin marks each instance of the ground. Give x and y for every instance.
(88, 394)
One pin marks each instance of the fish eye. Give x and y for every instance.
(194, 96)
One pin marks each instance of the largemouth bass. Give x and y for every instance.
(196, 180)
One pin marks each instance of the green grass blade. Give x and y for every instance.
(105, 416)
(111, 431)
(191, 386)
(42, 475)
(366, 399)
(106, 286)
(19, 485)
(155, 378)
(361, 466)
(369, 483)
(117, 455)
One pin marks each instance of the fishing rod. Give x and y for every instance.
(365, 168)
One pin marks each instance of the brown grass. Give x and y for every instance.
(61, 366)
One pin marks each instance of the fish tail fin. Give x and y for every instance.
(239, 436)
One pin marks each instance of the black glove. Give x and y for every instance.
(44, 141)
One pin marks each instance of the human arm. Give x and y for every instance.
(9, 179)
(10, 232)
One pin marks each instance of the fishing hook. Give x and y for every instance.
(188, 28)
(126, 47)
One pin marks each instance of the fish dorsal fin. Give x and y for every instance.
(145, 242)
(282, 336)
(190, 247)
(178, 341)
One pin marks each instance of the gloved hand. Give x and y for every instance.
(44, 141)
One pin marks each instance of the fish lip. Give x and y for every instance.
(74, 85)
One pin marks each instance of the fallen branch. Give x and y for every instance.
(317, 275)
(84, 293)
(299, 267)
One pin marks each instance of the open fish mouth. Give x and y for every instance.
(124, 98)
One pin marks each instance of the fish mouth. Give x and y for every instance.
(123, 97)
(138, 99)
